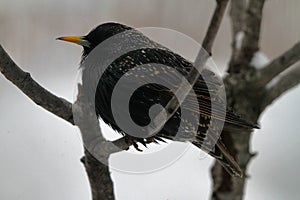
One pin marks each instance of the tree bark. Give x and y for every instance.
(248, 92)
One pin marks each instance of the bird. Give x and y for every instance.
(204, 134)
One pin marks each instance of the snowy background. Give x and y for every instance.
(40, 153)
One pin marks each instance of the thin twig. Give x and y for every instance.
(250, 31)
(185, 88)
(283, 84)
(237, 16)
(214, 26)
(278, 65)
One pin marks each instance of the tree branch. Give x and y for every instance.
(97, 149)
(237, 15)
(39, 95)
(251, 32)
(239, 98)
(184, 88)
(278, 65)
(99, 176)
(237, 18)
(42, 97)
(214, 26)
(281, 85)
(251, 29)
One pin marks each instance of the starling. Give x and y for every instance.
(206, 131)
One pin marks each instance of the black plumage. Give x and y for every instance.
(204, 133)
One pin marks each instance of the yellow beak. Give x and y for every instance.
(75, 39)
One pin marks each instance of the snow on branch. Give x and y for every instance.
(238, 39)
(259, 60)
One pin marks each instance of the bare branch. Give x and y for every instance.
(224, 186)
(237, 15)
(99, 178)
(87, 121)
(237, 18)
(278, 65)
(42, 97)
(98, 172)
(282, 85)
(251, 29)
(214, 26)
(194, 74)
(251, 33)
(97, 149)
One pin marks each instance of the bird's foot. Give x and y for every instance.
(150, 140)
(144, 141)
(134, 141)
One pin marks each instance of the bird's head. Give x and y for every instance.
(96, 36)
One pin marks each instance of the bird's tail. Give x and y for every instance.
(234, 122)
(222, 155)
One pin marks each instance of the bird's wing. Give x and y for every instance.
(155, 70)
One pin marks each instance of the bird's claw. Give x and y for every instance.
(134, 141)
(136, 146)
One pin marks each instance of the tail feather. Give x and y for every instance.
(234, 121)
(222, 155)
(226, 160)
